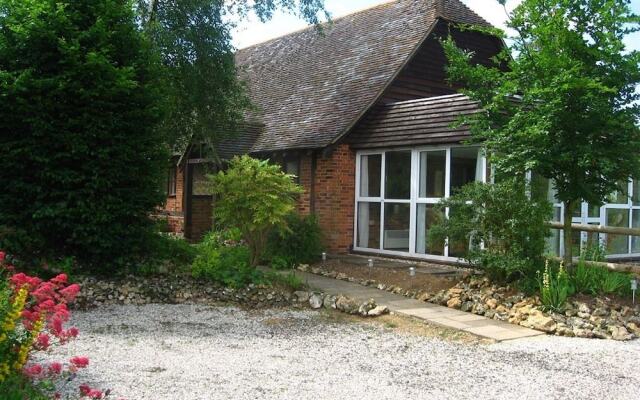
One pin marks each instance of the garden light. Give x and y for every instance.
(412, 271)
(324, 256)
(634, 287)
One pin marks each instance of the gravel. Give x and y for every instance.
(196, 352)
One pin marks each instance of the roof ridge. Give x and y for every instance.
(327, 23)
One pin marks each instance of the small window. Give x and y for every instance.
(199, 180)
(171, 181)
(291, 166)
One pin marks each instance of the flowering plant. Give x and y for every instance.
(32, 317)
(554, 287)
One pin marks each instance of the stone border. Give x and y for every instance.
(480, 297)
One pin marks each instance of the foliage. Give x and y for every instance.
(254, 197)
(594, 252)
(554, 287)
(205, 97)
(299, 243)
(561, 98)
(596, 281)
(78, 110)
(290, 280)
(502, 225)
(225, 263)
(32, 317)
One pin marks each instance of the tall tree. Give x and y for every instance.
(206, 99)
(561, 99)
(81, 162)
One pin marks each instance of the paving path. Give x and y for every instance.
(431, 313)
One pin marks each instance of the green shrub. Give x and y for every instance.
(594, 252)
(290, 281)
(18, 387)
(505, 220)
(79, 111)
(225, 263)
(255, 197)
(300, 242)
(597, 281)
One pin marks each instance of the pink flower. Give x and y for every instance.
(33, 370)
(80, 362)
(84, 389)
(42, 342)
(45, 291)
(2, 256)
(73, 332)
(95, 394)
(60, 280)
(70, 292)
(55, 368)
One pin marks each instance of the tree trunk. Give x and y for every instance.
(567, 232)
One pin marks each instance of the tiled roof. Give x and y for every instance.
(240, 143)
(415, 122)
(310, 88)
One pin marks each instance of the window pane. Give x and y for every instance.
(617, 244)
(457, 248)
(635, 240)
(553, 241)
(620, 196)
(396, 227)
(542, 188)
(397, 175)
(426, 217)
(200, 185)
(594, 211)
(368, 234)
(433, 165)
(636, 192)
(370, 169)
(291, 167)
(465, 166)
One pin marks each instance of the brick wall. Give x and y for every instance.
(335, 196)
(173, 207)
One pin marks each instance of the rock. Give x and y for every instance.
(564, 330)
(490, 313)
(424, 296)
(301, 296)
(347, 305)
(478, 309)
(315, 300)
(454, 303)
(455, 291)
(466, 306)
(377, 311)
(620, 333)
(600, 312)
(540, 322)
(341, 276)
(367, 306)
(329, 301)
(382, 286)
(633, 328)
(492, 303)
(583, 333)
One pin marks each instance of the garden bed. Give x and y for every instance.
(584, 316)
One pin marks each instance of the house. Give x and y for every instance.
(363, 115)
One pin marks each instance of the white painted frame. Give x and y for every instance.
(413, 201)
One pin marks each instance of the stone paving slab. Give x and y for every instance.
(432, 313)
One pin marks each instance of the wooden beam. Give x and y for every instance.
(597, 228)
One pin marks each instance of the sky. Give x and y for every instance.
(252, 31)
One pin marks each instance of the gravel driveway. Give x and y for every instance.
(195, 352)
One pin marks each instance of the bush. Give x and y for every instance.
(596, 281)
(227, 264)
(255, 197)
(78, 115)
(299, 243)
(502, 218)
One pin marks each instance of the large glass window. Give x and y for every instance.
(396, 226)
(433, 169)
(397, 182)
(368, 232)
(617, 244)
(466, 166)
(370, 172)
(427, 216)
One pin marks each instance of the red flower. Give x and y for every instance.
(73, 332)
(80, 362)
(70, 292)
(33, 370)
(95, 394)
(42, 342)
(55, 368)
(84, 389)
(2, 256)
(59, 280)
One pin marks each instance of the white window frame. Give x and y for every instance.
(413, 201)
